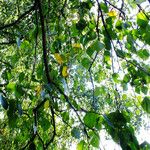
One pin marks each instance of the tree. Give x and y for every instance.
(70, 69)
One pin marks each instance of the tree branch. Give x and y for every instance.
(120, 9)
(19, 19)
(44, 41)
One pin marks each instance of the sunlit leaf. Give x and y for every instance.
(86, 63)
(95, 46)
(76, 45)
(90, 119)
(65, 71)
(142, 20)
(95, 140)
(46, 104)
(58, 58)
(82, 145)
(112, 13)
(38, 89)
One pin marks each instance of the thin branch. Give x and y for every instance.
(19, 19)
(71, 106)
(120, 9)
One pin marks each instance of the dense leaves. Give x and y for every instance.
(71, 69)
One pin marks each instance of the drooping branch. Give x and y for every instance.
(19, 18)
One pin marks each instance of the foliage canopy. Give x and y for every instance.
(70, 69)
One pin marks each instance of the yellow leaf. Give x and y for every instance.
(46, 104)
(76, 45)
(58, 58)
(112, 13)
(64, 71)
(38, 89)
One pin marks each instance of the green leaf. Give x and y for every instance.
(4, 102)
(11, 113)
(146, 104)
(19, 91)
(144, 54)
(142, 20)
(81, 25)
(119, 25)
(45, 124)
(100, 90)
(126, 78)
(117, 118)
(95, 46)
(65, 116)
(75, 132)
(115, 77)
(144, 89)
(90, 119)
(11, 86)
(95, 140)
(107, 43)
(104, 7)
(21, 76)
(120, 53)
(86, 63)
(82, 145)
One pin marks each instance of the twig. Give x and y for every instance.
(120, 9)
(19, 19)
(143, 11)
